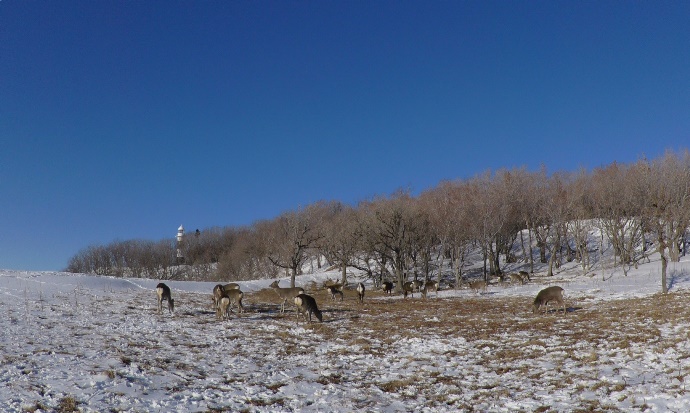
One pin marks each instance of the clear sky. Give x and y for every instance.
(124, 119)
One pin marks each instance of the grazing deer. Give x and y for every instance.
(333, 291)
(235, 296)
(163, 292)
(516, 278)
(554, 293)
(417, 285)
(478, 286)
(430, 286)
(218, 292)
(220, 289)
(360, 292)
(408, 287)
(225, 302)
(306, 305)
(388, 287)
(285, 294)
(525, 275)
(223, 307)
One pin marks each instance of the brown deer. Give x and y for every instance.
(222, 309)
(235, 297)
(163, 292)
(516, 278)
(408, 288)
(226, 301)
(220, 289)
(285, 294)
(388, 287)
(554, 293)
(478, 286)
(360, 292)
(417, 285)
(218, 292)
(430, 286)
(333, 291)
(306, 305)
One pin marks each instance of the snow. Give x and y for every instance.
(99, 341)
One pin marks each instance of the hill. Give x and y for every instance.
(93, 343)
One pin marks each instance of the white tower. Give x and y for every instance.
(180, 239)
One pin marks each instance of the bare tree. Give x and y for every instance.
(437, 203)
(288, 237)
(505, 194)
(246, 259)
(450, 216)
(528, 195)
(668, 206)
(556, 209)
(494, 220)
(580, 214)
(340, 243)
(390, 224)
(423, 241)
(617, 202)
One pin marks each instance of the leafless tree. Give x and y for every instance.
(580, 215)
(494, 218)
(631, 204)
(556, 208)
(246, 259)
(287, 238)
(668, 206)
(618, 205)
(423, 240)
(437, 204)
(339, 243)
(390, 225)
(450, 216)
(505, 192)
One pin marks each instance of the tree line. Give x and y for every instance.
(636, 209)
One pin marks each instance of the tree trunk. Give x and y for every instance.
(664, 258)
(292, 277)
(384, 269)
(552, 258)
(456, 259)
(344, 275)
(529, 246)
(440, 264)
(664, 264)
(497, 262)
(400, 274)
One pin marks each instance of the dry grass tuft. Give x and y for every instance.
(67, 404)
(394, 386)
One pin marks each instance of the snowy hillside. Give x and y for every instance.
(97, 344)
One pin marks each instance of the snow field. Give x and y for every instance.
(99, 342)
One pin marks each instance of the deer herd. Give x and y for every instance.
(227, 296)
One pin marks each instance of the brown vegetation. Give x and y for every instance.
(639, 208)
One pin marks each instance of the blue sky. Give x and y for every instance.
(122, 119)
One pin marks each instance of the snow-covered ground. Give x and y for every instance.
(97, 343)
